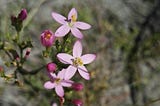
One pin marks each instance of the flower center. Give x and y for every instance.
(77, 62)
(72, 20)
(48, 36)
(70, 24)
(58, 80)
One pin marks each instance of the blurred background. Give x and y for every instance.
(125, 35)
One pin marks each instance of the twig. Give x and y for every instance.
(26, 72)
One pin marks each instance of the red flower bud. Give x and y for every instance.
(22, 15)
(51, 67)
(77, 86)
(1, 69)
(77, 102)
(27, 52)
(13, 20)
(47, 38)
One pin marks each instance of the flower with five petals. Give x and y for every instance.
(70, 24)
(58, 82)
(76, 61)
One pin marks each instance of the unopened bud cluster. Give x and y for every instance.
(17, 22)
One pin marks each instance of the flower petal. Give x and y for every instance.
(65, 58)
(82, 25)
(70, 71)
(88, 58)
(62, 31)
(73, 12)
(59, 90)
(76, 32)
(67, 83)
(49, 85)
(84, 72)
(61, 74)
(53, 75)
(77, 49)
(59, 18)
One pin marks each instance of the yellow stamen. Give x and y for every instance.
(73, 18)
(48, 36)
(58, 80)
(77, 62)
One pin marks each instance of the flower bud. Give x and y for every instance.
(77, 86)
(51, 67)
(77, 102)
(1, 69)
(27, 53)
(22, 15)
(47, 38)
(13, 20)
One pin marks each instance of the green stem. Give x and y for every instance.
(21, 54)
(26, 72)
(18, 36)
(15, 74)
(64, 42)
(8, 54)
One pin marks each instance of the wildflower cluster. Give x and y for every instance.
(64, 65)
(65, 60)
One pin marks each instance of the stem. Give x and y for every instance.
(18, 35)
(26, 72)
(21, 55)
(61, 101)
(64, 42)
(8, 54)
(15, 74)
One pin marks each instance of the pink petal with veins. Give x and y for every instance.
(83, 72)
(62, 31)
(70, 72)
(77, 49)
(67, 83)
(82, 25)
(59, 90)
(65, 58)
(59, 18)
(88, 58)
(49, 85)
(76, 32)
(72, 12)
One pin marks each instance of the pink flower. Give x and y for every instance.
(47, 38)
(70, 24)
(58, 83)
(77, 61)
(51, 67)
